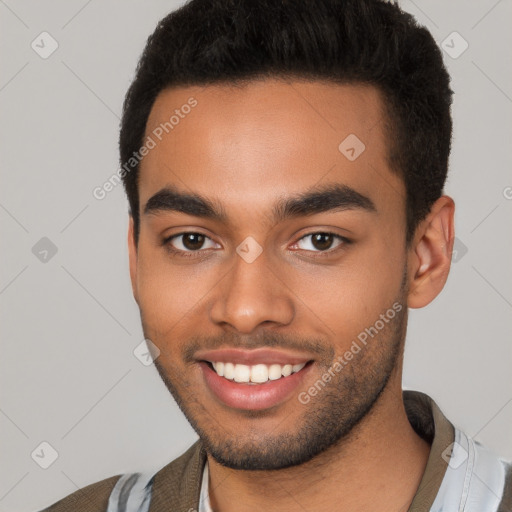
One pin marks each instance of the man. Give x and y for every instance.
(284, 164)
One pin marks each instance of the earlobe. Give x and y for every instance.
(430, 253)
(132, 256)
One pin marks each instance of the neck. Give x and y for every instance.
(377, 467)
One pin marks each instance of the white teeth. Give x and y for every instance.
(229, 371)
(257, 374)
(286, 370)
(242, 373)
(274, 372)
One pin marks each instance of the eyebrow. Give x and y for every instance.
(329, 198)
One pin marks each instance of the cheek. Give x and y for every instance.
(351, 296)
(170, 294)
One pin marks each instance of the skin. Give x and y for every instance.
(244, 148)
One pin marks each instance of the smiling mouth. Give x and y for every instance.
(254, 374)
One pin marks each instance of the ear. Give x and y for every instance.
(430, 253)
(132, 255)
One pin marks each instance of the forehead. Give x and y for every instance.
(268, 138)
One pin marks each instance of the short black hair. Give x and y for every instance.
(369, 42)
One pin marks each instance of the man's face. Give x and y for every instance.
(276, 283)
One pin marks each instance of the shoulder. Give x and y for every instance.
(506, 500)
(178, 477)
(478, 477)
(179, 482)
(92, 498)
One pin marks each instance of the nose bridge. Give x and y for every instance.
(251, 293)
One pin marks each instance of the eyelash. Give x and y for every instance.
(196, 254)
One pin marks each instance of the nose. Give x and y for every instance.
(252, 294)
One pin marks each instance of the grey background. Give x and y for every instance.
(68, 375)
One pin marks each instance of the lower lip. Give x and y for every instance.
(252, 396)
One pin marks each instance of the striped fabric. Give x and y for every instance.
(474, 480)
(132, 493)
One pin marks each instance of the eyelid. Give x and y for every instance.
(188, 253)
(167, 241)
(343, 241)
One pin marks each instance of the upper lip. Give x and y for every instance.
(251, 357)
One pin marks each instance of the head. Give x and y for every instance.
(284, 165)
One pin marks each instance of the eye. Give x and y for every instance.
(322, 242)
(188, 242)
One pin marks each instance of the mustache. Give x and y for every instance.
(317, 347)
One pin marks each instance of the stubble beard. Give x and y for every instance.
(328, 418)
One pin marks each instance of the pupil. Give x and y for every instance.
(193, 241)
(322, 240)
